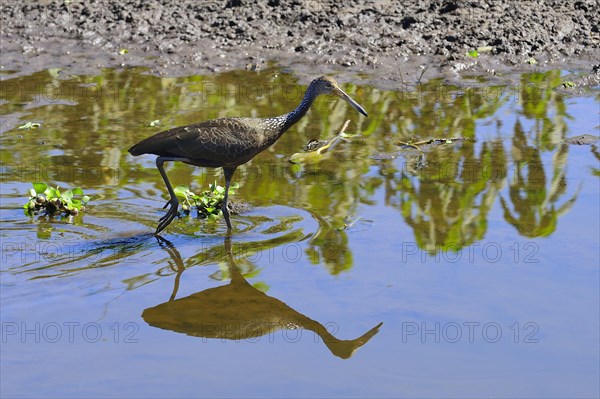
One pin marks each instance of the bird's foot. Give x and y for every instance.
(169, 216)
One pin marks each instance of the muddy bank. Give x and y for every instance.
(381, 42)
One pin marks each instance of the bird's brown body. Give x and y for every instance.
(227, 142)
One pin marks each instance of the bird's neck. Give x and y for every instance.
(284, 122)
(301, 109)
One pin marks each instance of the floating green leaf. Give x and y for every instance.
(52, 192)
(39, 187)
(68, 195)
(181, 191)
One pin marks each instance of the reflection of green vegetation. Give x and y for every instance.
(447, 204)
(596, 171)
(453, 189)
(535, 213)
(534, 204)
(330, 247)
(445, 195)
(541, 103)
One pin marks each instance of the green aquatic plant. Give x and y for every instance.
(50, 201)
(473, 54)
(208, 203)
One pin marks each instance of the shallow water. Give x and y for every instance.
(480, 257)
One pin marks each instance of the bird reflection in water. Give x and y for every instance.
(238, 311)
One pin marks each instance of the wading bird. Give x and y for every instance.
(227, 142)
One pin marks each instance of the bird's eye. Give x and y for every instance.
(328, 85)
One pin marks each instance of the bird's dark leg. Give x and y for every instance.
(172, 212)
(228, 174)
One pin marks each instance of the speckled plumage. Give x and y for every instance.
(220, 142)
(227, 142)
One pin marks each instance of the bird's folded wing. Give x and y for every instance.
(219, 140)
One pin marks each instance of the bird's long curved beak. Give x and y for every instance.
(340, 93)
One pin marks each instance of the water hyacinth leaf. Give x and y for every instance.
(29, 205)
(52, 193)
(39, 187)
(49, 201)
(181, 188)
(181, 191)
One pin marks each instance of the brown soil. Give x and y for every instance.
(379, 42)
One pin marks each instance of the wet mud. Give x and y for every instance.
(376, 42)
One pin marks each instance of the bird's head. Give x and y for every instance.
(328, 85)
